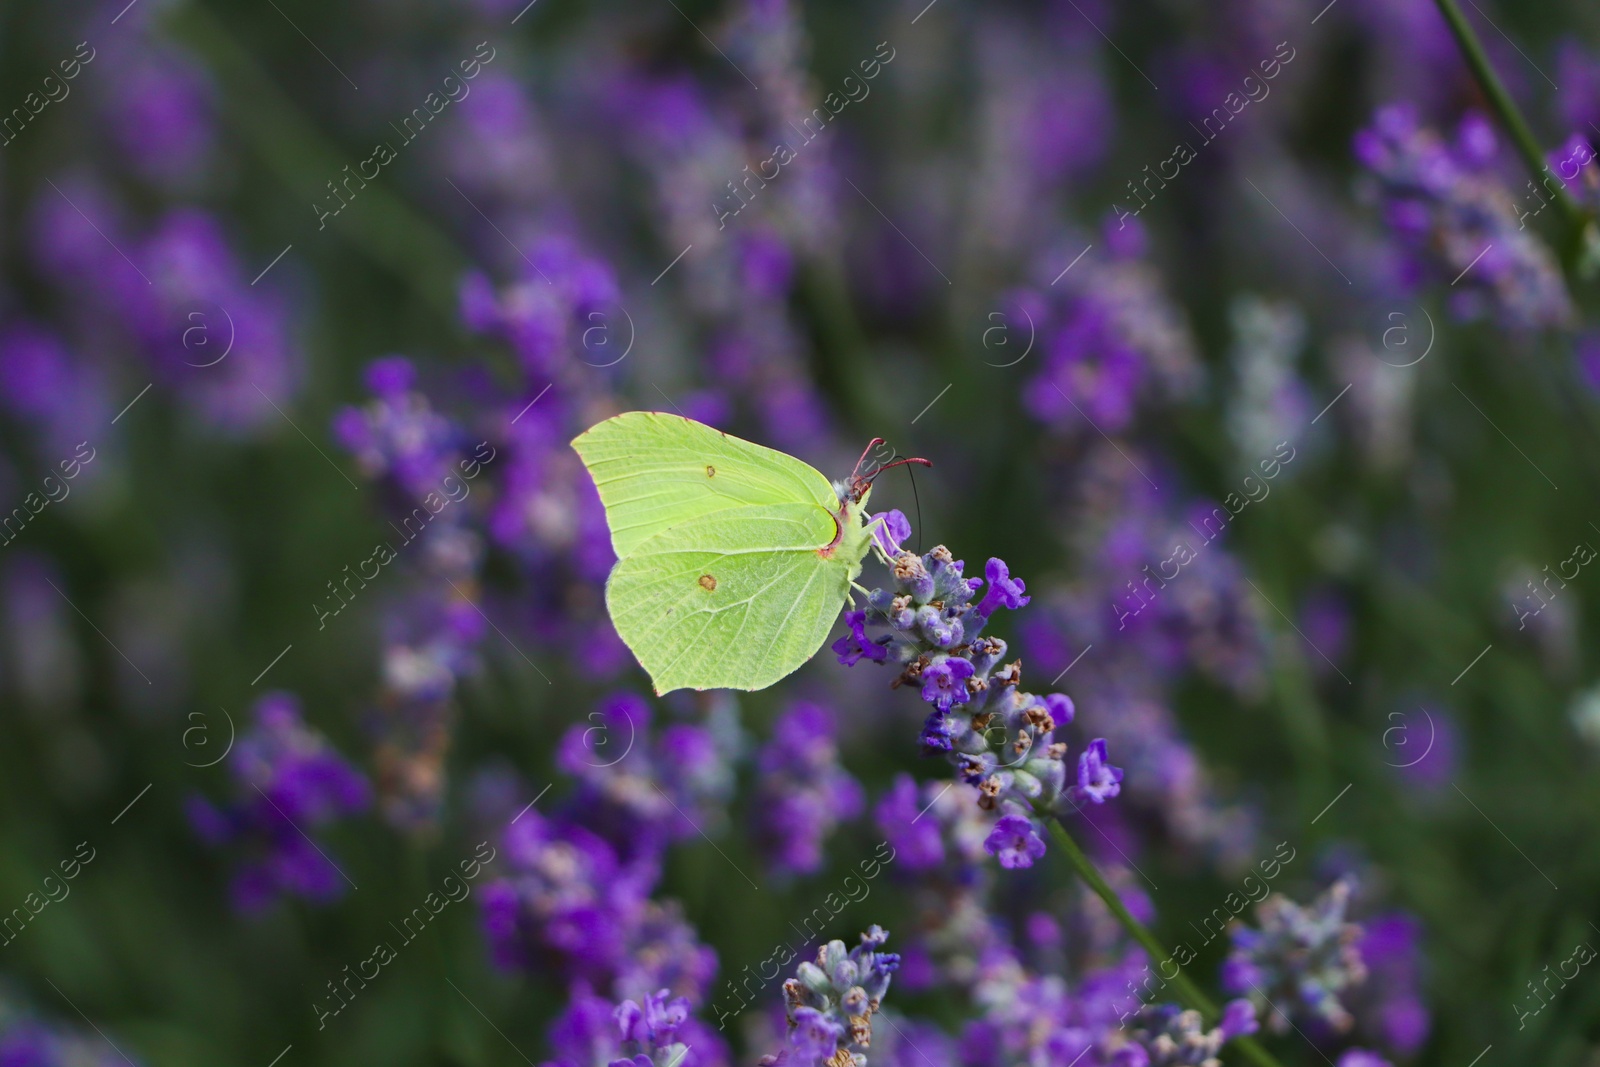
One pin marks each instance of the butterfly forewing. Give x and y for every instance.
(730, 600)
(656, 470)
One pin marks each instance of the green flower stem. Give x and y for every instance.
(1188, 992)
(1506, 108)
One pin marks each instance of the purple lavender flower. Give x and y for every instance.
(1448, 209)
(1573, 164)
(1360, 1057)
(426, 465)
(943, 682)
(28, 1041)
(888, 534)
(1238, 1019)
(188, 308)
(656, 1023)
(939, 732)
(814, 1036)
(1098, 780)
(1388, 1006)
(768, 266)
(1027, 1017)
(1092, 374)
(856, 644)
(497, 147)
(1164, 1035)
(160, 115)
(1003, 589)
(831, 1003)
(226, 391)
(938, 836)
(916, 842)
(290, 781)
(586, 1033)
(397, 435)
(998, 737)
(914, 1042)
(1111, 339)
(1205, 620)
(569, 902)
(29, 1044)
(648, 786)
(571, 905)
(656, 1030)
(69, 251)
(546, 317)
(802, 793)
(1422, 743)
(1015, 842)
(43, 384)
(1303, 957)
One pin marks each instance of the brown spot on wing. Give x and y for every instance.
(707, 582)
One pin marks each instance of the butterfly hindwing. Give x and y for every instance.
(656, 470)
(735, 599)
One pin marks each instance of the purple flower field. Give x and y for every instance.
(1103, 583)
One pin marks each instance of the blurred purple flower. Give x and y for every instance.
(802, 792)
(289, 782)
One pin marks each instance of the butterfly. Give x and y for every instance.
(733, 559)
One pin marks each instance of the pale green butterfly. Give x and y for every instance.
(733, 560)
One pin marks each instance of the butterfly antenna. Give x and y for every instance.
(874, 443)
(899, 463)
(859, 484)
(918, 498)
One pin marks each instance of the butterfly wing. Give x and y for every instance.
(655, 470)
(735, 599)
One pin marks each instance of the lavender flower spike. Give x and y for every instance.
(1303, 957)
(830, 1004)
(289, 781)
(1165, 1035)
(803, 792)
(999, 738)
(653, 1029)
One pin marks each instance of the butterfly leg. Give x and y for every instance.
(878, 522)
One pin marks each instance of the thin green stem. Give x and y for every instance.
(1506, 108)
(1188, 992)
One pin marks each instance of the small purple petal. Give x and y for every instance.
(1014, 842)
(1098, 780)
(891, 532)
(944, 683)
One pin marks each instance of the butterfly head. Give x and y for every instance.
(854, 490)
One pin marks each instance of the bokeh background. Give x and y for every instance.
(274, 272)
